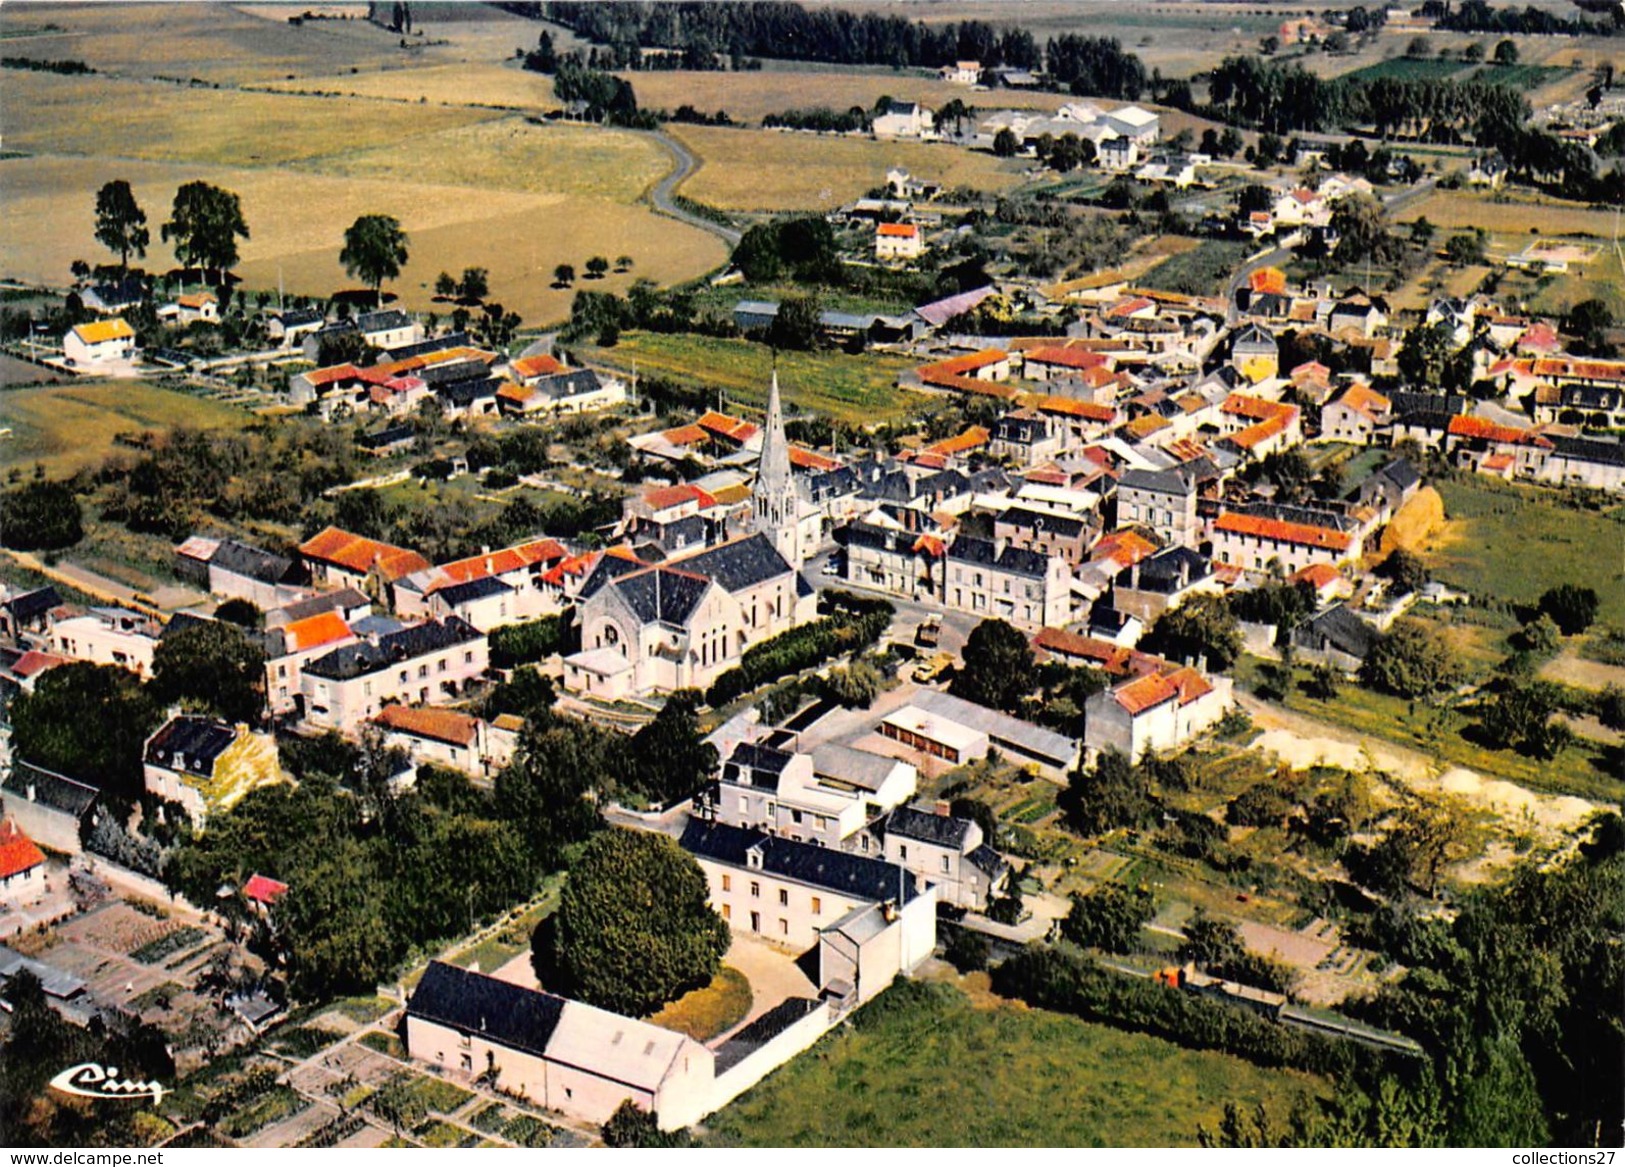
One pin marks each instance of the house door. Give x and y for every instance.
(756, 921)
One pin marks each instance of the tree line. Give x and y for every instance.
(769, 28)
(1477, 16)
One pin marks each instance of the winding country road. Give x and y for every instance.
(660, 195)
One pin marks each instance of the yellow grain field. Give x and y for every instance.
(767, 170)
(298, 220)
(161, 122)
(515, 154)
(506, 86)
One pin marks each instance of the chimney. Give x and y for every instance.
(943, 807)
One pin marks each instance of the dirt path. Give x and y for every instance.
(1588, 674)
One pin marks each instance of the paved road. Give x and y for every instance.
(660, 197)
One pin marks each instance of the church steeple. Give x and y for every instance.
(774, 501)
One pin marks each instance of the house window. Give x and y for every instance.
(755, 891)
(784, 927)
(784, 897)
(423, 671)
(902, 851)
(442, 664)
(727, 882)
(468, 658)
(467, 1063)
(818, 906)
(756, 921)
(727, 911)
(945, 863)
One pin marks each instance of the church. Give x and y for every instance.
(684, 622)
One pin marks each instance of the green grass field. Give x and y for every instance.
(73, 426)
(858, 389)
(1408, 69)
(923, 1066)
(1518, 76)
(1201, 271)
(1514, 542)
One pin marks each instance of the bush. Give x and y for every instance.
(800, 648)
(1050, 979)
(520, 644)
(966, 950)
(40, 516)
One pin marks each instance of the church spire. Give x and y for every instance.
(775, 504)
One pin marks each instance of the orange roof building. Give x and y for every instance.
(442, 725)
(22, 863)
(339, 556)
(316, 631)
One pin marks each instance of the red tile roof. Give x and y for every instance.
(686, 435)
(315, 631)
(263, 889)
(811, 459)
(1257, 408)
(1072, 407)
(1124, 548)
(441, 725)
(1268, 280)
(1482, 429)
(1143, 693)
(1366, 400)
(724, 426)
(508, 559)
(1572, 369)
(1319, 576)
(972, 439)
(1066, 357)
(967, 362)
(34, 661)
(540, 365)
(898, 230)
(359, 554)
(1280, 531)
(665, 497)
(17, 851)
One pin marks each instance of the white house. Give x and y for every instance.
(108, 636)
(424, 664)
(898, 241)
(101, 342)
(1157, 711)
(868, 920)
(904, 119)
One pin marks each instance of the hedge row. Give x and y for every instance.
(1050, 978)
(522, 644)
(804, 647)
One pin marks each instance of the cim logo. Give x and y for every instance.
(89, 1080)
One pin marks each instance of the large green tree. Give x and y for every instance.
(548, 791)
(633, 929)
(121, 224)
(40, 516)
(1109, 917)
(1112, 794)
(89, 722)
(205, 223)
(1410, 661)
(374, 251)
(1203, 626)
(671, 759)
(999, 668)
(1573, 607)
(212, 665)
